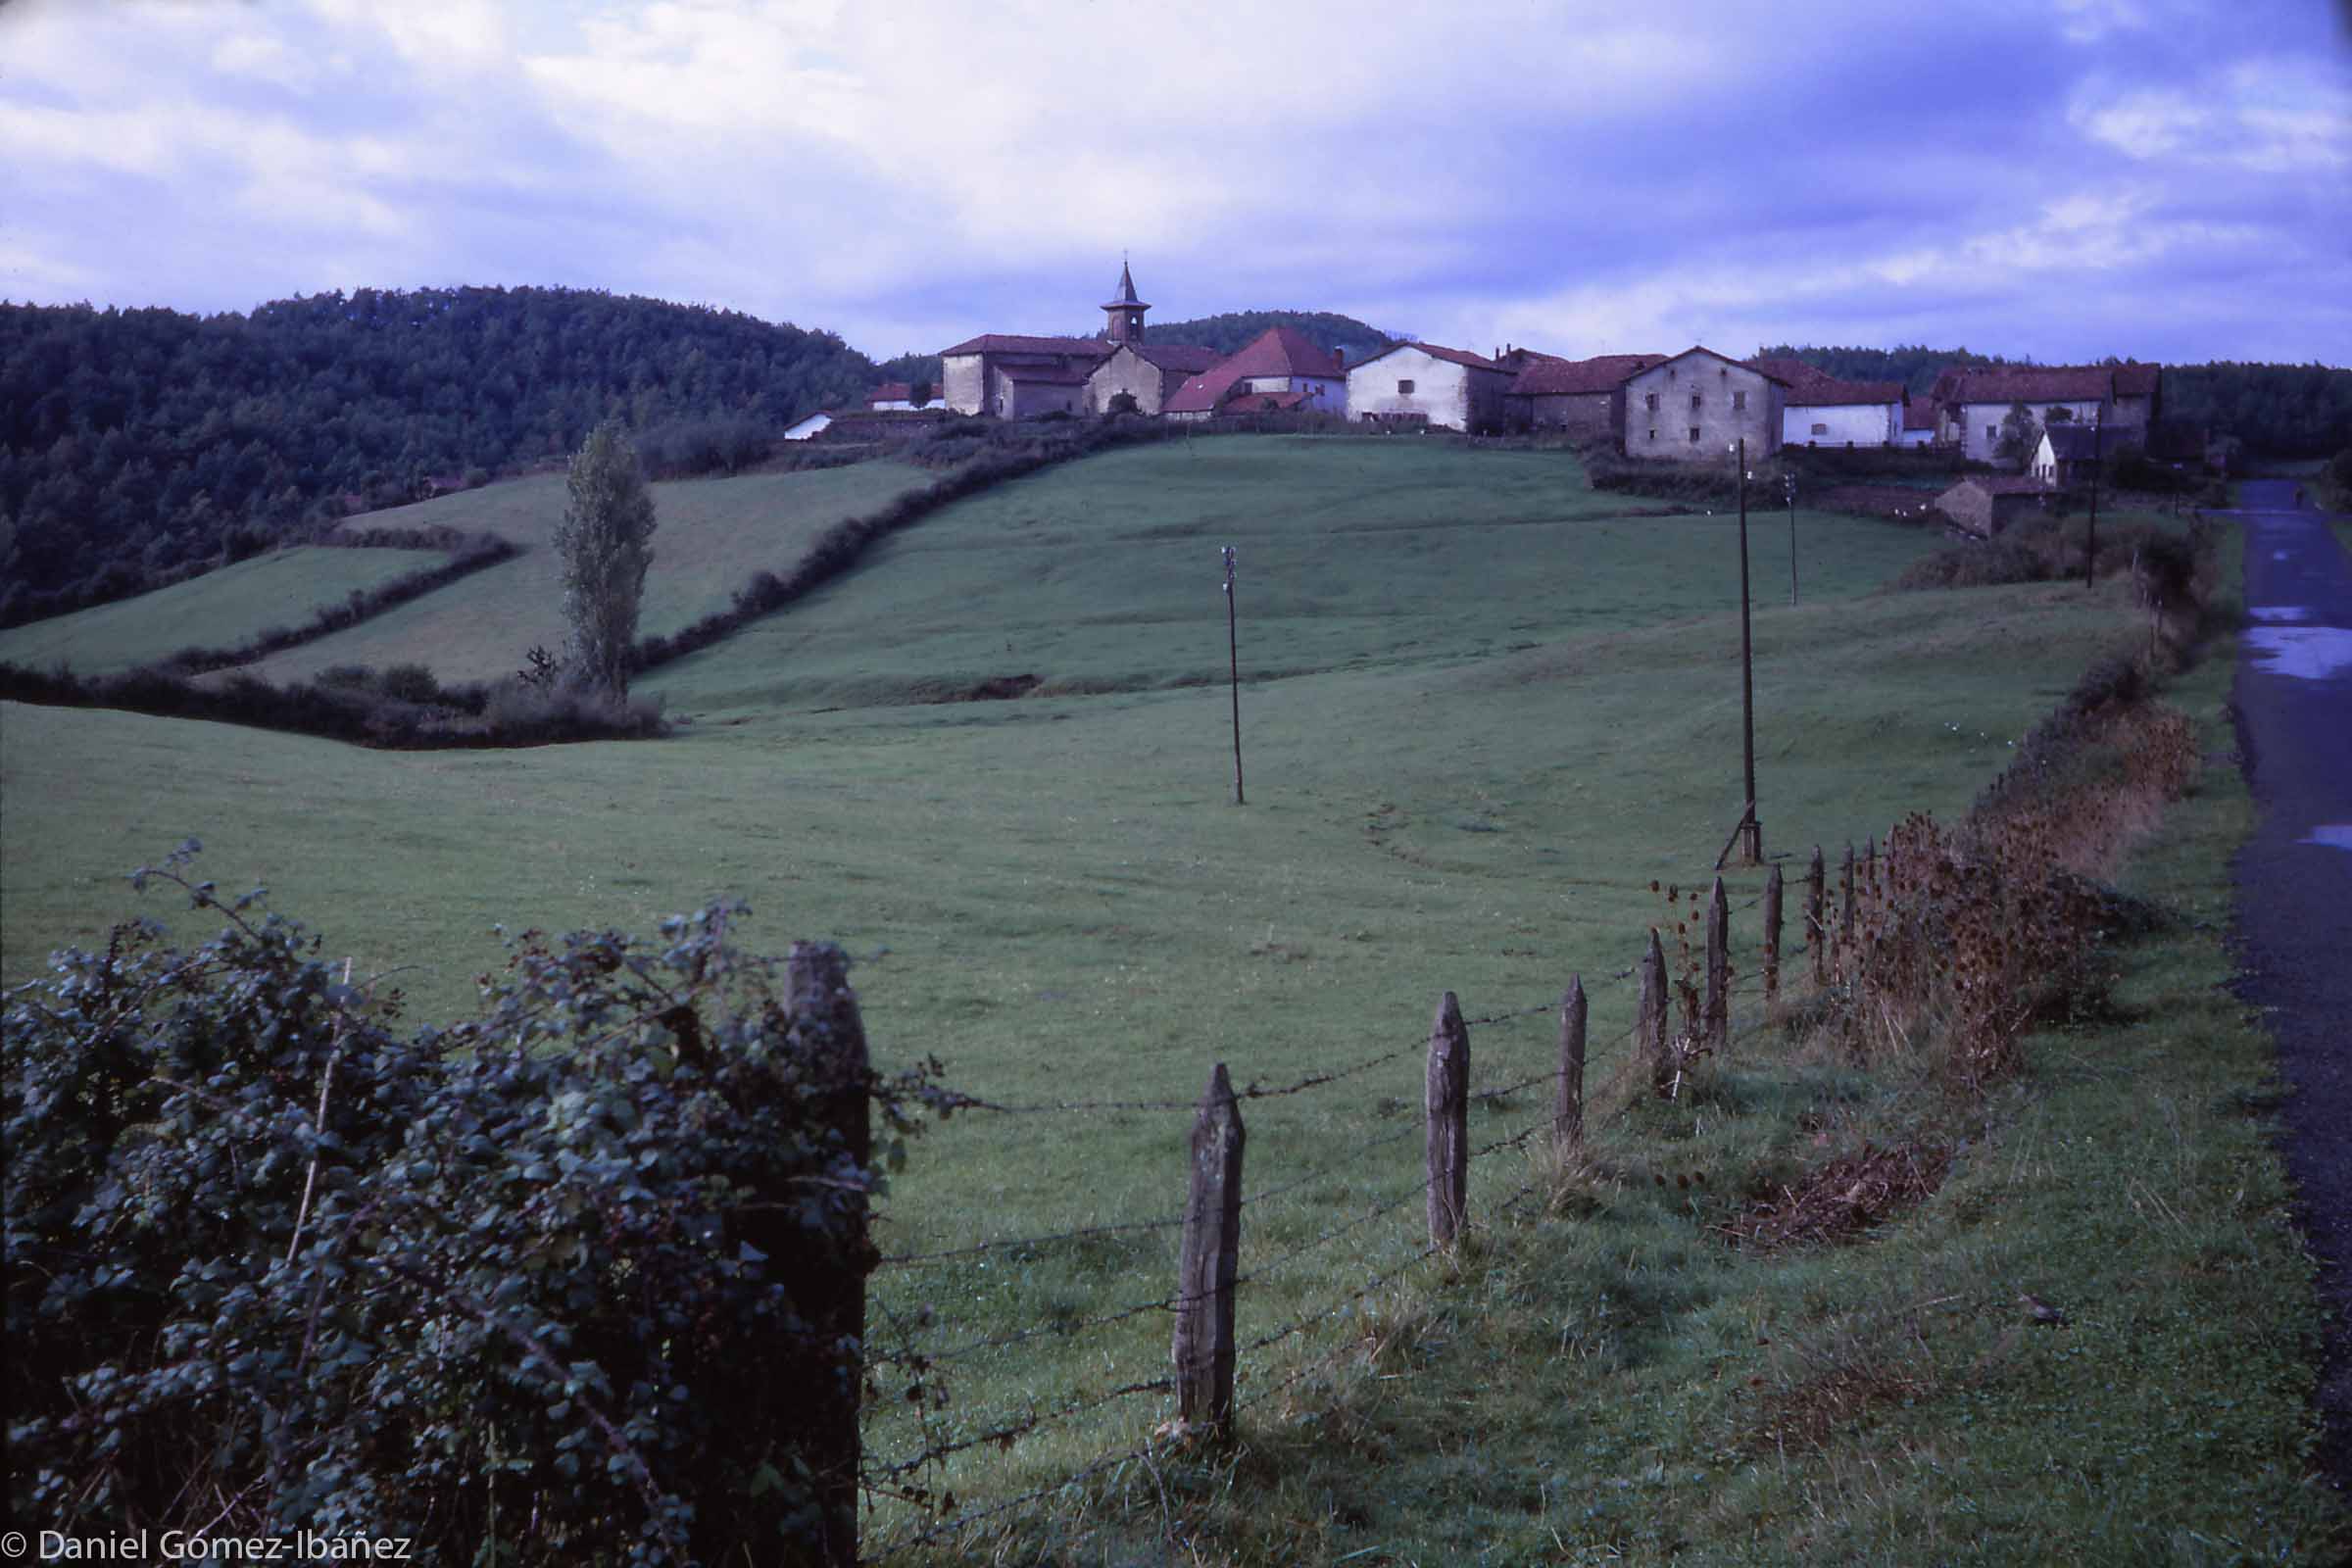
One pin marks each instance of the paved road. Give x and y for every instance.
(2294, 880)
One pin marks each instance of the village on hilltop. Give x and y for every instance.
(1683, 407)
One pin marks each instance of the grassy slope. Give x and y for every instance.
(218, 610)
(714, 534)
(1353, 554)
(1069, 908)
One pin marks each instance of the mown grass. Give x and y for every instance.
(1054, 895)
(713, 535)
(218, 610)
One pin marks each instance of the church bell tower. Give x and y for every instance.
(1125, 313)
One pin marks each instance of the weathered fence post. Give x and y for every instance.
(1568, 1100)
(1845, 895)
(1651, 1029)
(1771, 933)
(1448, 1106)
(1719, 972)
(1212, 1247)
(824, 1372)
(1817, 929)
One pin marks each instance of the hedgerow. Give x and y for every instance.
(547, 1286)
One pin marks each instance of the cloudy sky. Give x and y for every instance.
(2057, 178)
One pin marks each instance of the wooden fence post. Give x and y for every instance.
(1817, 928)
(1845, 896)
(1652, 1027)
(1448, 1106)
(1212, 1247)
(825, 1374)
(1719, 972)
(1568, 1102)
(1771, 933)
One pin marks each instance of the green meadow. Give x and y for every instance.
(218, 610)
(1484, 709)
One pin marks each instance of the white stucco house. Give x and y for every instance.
(1822, 411)
(1427, 383)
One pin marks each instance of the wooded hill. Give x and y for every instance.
(135, 445)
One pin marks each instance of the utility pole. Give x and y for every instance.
(1788, 488)
(1752, 830)
(2090, 553)
(1233, 649)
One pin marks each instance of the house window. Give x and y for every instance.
(1652, 403)
(1653, 435)
(1693, 403)
(1821, 429)
(1739, 400)
(1695, 433)
(1992, 433)
(1405, 389)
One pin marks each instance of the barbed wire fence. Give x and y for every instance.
(1717, 1005)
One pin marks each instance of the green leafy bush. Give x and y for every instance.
(560, 1284)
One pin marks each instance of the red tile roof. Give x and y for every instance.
(891, 392)
(1277, 351)
(1919, 414)
(1701, 348)
(1604, 372)
(1811, 388)
(1182, 357)
(1093, 348)
(2035, 384)
(1435, 352)
(2136, 380)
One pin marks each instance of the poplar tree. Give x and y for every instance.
(604, 540)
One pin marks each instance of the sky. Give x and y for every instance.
(2059, 180)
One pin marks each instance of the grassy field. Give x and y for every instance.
(218, 610)
(1354, 554)
(1498, 727)
(713, 535)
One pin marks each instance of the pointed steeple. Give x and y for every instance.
(1125, 310)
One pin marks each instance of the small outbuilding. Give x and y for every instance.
(1985, 505)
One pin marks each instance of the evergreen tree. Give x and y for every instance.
(605, 541)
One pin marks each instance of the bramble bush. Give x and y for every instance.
(563, 1283)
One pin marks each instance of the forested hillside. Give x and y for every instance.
(1227, 332)
(136, 444)
(1914, 365)
(2290, 411)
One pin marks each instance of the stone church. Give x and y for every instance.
(1016, 377)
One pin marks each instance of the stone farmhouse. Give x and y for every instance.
(1584, 399)
(1971, 404)
(1277, 371)
(1426, 383)
(1693, 406)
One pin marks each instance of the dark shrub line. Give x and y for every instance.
(983, 454)
(474, 553)
(347, 707)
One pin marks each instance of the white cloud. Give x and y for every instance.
(2267, 114)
